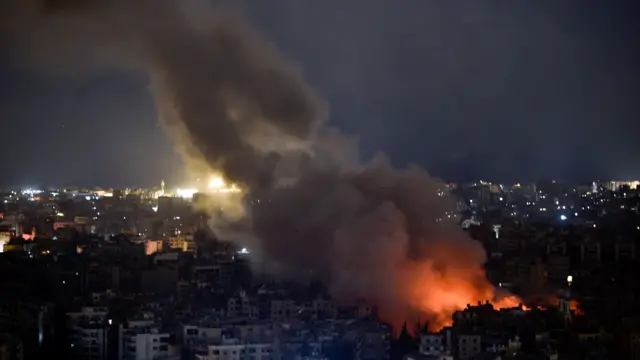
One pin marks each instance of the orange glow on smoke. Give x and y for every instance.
(436, 294)
(574, 306)
(553, 300)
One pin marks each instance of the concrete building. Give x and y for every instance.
(143, 340)
(469, 346)
(234, 349)
(89, 332)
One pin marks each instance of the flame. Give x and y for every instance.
(432, 288)
(436, 295)
(574, 306)
(509, 302)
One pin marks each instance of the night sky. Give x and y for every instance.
(497, 90)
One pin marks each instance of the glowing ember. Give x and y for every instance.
(574, 306)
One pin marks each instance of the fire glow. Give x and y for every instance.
(364, 227)
(437, 295)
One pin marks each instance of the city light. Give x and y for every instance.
(563, 217)
(186, 193)
(218, 185)
(31, 192)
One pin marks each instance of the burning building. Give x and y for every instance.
(234, 106)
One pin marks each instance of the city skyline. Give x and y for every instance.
(296, 228)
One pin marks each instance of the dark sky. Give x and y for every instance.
(501, 90)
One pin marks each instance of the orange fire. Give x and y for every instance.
(553, 300)
(436, 294)
(574, 306)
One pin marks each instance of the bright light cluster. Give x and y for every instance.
(186, 193)
(218, 185)
(217, 182)
(31, 192)
(231, 189)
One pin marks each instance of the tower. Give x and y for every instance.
(496, 229)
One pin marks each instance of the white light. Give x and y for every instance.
(244, 251)
(60, 214)
(216, 182)
(563, 217)
(575, 214)
(186, 193)
(154, 208)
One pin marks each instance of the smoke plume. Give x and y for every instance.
(233, 105)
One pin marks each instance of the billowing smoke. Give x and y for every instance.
(233, 105)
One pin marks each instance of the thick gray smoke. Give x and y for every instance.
(232, 104)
